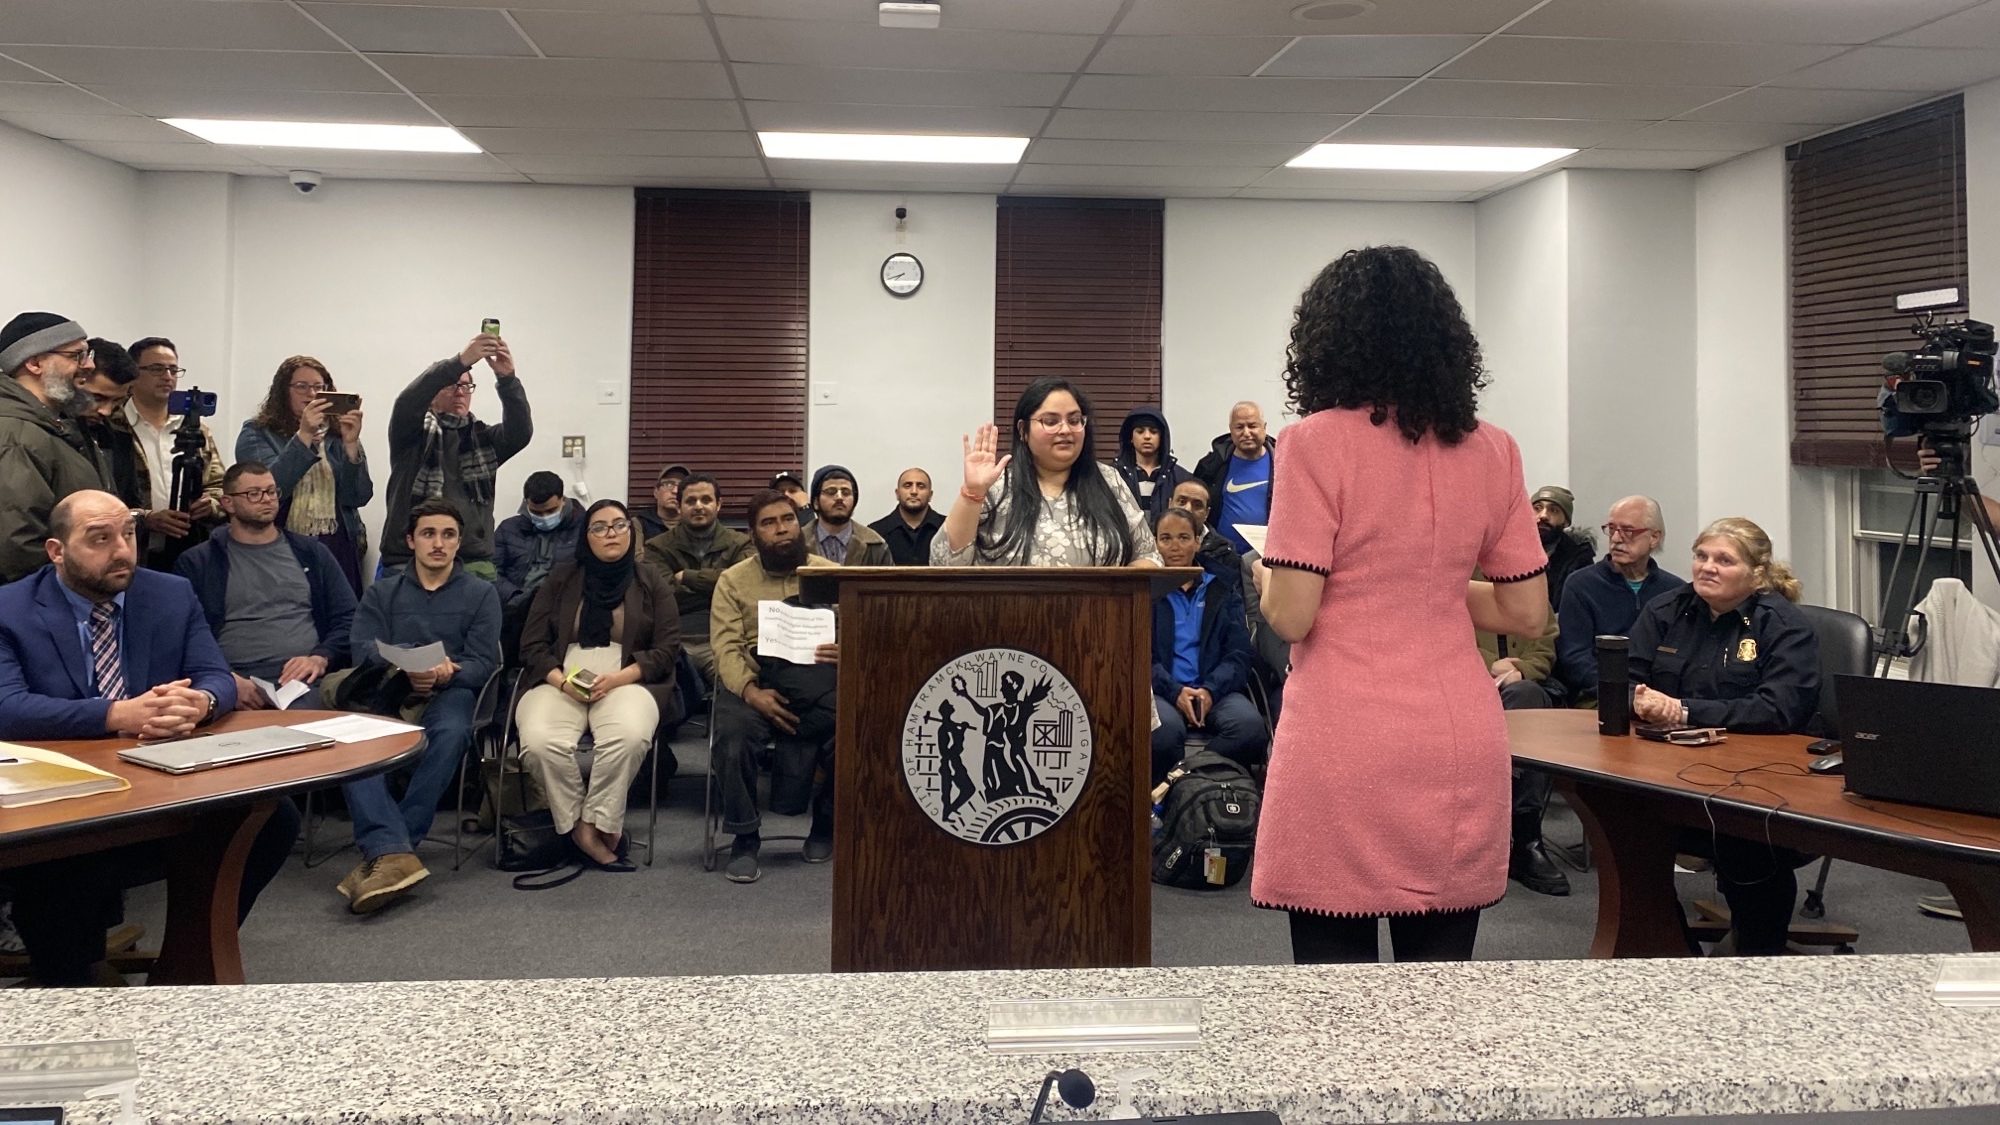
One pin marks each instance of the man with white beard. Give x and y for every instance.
(43, 456)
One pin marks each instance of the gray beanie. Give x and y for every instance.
(35, 333)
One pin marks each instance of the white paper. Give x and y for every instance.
(281, 697)
(791, 633)
(355, 728)
(1253, 534)
(420, 659)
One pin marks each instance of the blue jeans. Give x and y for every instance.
(1234, 729)
(384, 826)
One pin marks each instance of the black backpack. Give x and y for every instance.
(1211, 803)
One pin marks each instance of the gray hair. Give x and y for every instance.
(1654, 518)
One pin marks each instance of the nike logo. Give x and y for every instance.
(1246, 486)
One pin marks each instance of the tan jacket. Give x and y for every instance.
(732, 616)
(1535, 656)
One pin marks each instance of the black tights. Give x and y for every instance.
(1445, 936)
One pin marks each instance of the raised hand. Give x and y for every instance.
(312, 421)
(502, 358)
(481, 347)
(350, 426)
(983, 464)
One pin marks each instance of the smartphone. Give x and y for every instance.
(1682, 736)
(339, 403)
(583, 678)
(490, 326)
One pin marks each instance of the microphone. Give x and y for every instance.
(1076, 1089)
(1896, 363)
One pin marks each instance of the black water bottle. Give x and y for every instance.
(1614, 688)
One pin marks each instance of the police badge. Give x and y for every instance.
(1746, 650)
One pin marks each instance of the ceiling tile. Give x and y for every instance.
(231, 24)
(97, 127)
(1513, 58)
(585, 179)
(1368, 56)
(713, 166)
(1379, 128)
(810, 43)
(579, 35)
(1141, 125)
(1117, 191)
(1437, 97)
(1303, 191)
(646, 6)
(766, 82)
(1974, 27)
(1816, 107)
(612, 142)
(1716, 136)
(422, 31)
(840, 117)
(448, 176)
(150, 155)
(335, 162)
(11, 71)
(1648, 158)
(206, 70)
(1161, 153)
(431, 74)
(1899, 68)
(854, 171)
(587, 113)
(1192, 54)
(1274, 17)
(50, 97)
(1121, 175)
(1734, 21)
(283, 105)
(1256, 95)
(984, 187)
(1383, 180)
(1068, 17)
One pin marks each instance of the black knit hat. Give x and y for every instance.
(35, 333)
(831, 471)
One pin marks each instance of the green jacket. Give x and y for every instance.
(673, 552)
(42, 460)
(1535, 655)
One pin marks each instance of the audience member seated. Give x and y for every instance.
(1570, 549)
(42, 458)
(1522, 669)
(666, 510)
(528, 545)
(102, 391)
(1604, 599)
(1201, 658)
(1214, 554)
(439, 451)
(692, 556)
(1731, 650)
(169, 532)
(1238, 471)
(316, 456)
(836, 536)
(93, 647)
(1146, 460)
(603, 614)
(436, 599)
(910, 528)
(277, 601)
(794, 490)
(758, 700)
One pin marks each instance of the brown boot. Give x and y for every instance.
(384, 879)
(346, 886)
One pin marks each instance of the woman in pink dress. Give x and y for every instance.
(1388, 791)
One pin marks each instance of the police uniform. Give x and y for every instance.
(1754, 670)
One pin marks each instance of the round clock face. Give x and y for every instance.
(902, 274)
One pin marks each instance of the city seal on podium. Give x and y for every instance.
(996, 746)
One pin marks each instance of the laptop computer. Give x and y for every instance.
(1921, 743)
(206, 752)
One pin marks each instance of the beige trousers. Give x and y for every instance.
(621, 725)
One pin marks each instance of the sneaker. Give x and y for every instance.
(742, 865)
(818, 849)
(346, 886)
(384, 879)
(1530, 866)
(1940, 906)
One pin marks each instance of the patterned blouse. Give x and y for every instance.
(1061, 536)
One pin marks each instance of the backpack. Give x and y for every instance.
(1211, 803)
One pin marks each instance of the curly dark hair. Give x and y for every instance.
(1380, 327)
(276, 414)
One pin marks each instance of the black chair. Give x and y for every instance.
(711, 800)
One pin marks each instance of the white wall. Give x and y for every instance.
(1523, 324)
(72, 230)
(909, 375)
(188, 283)
(1234, 269)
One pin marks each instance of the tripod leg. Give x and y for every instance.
(1894, 627)
(1982, 526)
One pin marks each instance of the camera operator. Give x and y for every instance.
(170, 528)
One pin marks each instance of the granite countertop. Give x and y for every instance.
(1479, 1041)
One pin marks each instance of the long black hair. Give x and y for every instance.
(1381, 328)
(1105, 529)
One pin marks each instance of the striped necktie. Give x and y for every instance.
(107, 666)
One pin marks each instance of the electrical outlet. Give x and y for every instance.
(826, 394)
(573, 446)
(610, 393)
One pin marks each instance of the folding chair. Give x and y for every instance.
(508, 747)
(711, 805)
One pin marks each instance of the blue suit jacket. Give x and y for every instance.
(46, 687)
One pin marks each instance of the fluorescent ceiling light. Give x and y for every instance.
(326, 134)
(1427, 158)
(893, 148)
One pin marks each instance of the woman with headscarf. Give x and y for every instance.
(317, 460)
(599, 646)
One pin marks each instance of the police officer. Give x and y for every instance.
(1731, 650)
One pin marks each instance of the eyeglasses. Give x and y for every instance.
(1053, 422)
(309, 388)
(606, 530)
(467, 387)
(1620, 531)
(164, 369)
(837, 493)
(267, 493)
(77, 356)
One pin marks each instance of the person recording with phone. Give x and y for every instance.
(439, 451)
(170, 528)
(310, 436)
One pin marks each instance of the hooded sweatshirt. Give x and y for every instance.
(1152, 490)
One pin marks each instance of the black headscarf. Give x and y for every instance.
(604, 583)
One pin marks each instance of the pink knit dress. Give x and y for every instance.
(1388, 790)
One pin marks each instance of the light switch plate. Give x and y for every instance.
(610, 393)
(573, 446)
(826, 394)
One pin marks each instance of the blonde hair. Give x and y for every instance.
(1756, 549)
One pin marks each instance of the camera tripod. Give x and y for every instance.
(1949, 496)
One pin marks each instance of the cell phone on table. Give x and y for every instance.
(340, 402)
(1682, 736)
(490, 326)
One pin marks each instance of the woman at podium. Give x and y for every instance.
(1047, 502)
(1388, 792)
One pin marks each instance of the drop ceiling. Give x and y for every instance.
(1203, 98)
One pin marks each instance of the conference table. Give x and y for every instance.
(209, 819)
(1636, 798)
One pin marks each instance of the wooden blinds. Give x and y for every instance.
(1877, 210)
(1077, 294)
(719, 309)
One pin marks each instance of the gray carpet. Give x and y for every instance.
(675, 919)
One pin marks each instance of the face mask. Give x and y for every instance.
(546, 523)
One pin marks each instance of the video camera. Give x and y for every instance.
(1940, 388)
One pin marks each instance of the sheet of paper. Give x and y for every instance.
(418, 659)
(1253, 534)
(281, 697)
(355, 728)
(790, 633)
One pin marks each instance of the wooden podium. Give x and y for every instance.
(1006, 882)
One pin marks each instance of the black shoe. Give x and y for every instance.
(1530, 866)
(742, 866)
(818, 849)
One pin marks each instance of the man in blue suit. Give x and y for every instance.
(91, 646)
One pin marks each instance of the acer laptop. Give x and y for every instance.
(1921, 743)
(206, 752)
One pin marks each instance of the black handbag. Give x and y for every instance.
(530, 843)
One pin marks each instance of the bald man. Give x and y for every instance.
(1238, 471)
(1605, 597)
(910, 528)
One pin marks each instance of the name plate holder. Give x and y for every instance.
(52, 1073)
(1042, 1027)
